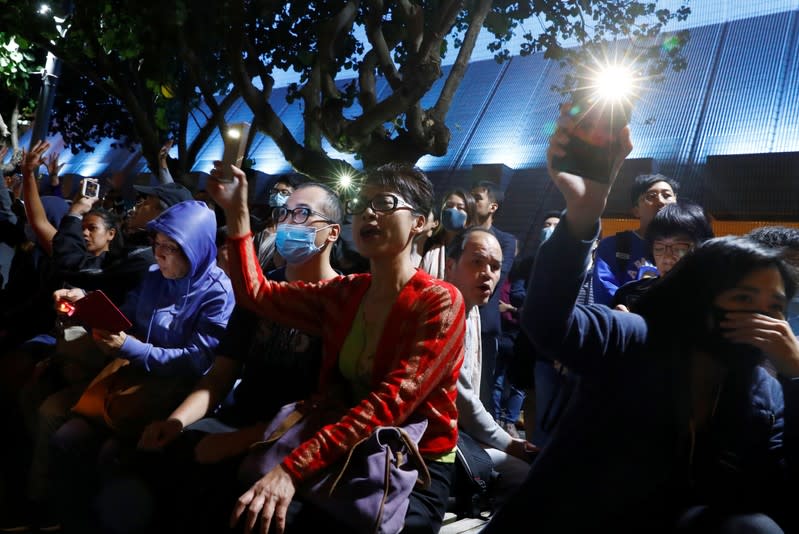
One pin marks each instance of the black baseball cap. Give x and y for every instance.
(170, 194)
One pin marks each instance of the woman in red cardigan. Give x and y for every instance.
(393, 339)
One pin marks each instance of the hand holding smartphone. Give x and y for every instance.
(235, 139)
(90, 188)
(601, 108)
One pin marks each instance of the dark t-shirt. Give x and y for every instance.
(280, 364)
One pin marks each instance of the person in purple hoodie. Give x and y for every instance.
(179, 312)
(182, 305)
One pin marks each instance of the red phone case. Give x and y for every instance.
(96, 310)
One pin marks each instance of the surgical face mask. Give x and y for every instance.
(453, 219)
(276, 200)
(546, 233)
(297, 243)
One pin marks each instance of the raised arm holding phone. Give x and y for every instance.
(674, 426)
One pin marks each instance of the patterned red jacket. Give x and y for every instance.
(416, 367)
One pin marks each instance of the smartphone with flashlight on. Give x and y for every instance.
(235, 146)
(601, 106)
(90, 188)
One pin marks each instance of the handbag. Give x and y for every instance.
(126, 398)
(369, 489)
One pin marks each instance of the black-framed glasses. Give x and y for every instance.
(299, 215)
(381, 203)
(281, 192)
(677, 249)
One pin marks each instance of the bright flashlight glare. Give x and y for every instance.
(233, 133)
(44, 9)
(345, 180)
(615, 83)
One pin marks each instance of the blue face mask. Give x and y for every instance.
(297, 243)
(277, 200)
(546, 233)
(452, 219)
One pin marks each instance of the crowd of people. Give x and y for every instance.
(640, 382)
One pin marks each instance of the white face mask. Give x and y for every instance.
(297, 243)
(546, 233)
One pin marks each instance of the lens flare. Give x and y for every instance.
(614, 83)
(345, 181)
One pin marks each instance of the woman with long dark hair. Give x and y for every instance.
(458, 212)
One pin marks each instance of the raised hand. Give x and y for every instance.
(82, 204)
(585, 199)
(53, 167)
(33, 160)
(163, 153)
(232, 197)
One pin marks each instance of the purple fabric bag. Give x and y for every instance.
(369, 489)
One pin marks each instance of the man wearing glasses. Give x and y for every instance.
(275, 365)
(264, 237)
(620, 257)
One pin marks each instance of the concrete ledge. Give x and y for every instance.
(453, 525)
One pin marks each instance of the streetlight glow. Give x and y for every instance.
(345, 180)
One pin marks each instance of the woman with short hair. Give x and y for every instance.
(392, 337)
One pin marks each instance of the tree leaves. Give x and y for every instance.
(123, 54)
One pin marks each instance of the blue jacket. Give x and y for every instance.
(177, 324)
(607, 276)
(624, 456)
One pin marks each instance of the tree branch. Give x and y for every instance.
(328, 36)
(458, 69)
(414, 20)
(204, 133)
(431, 45)
(265, 116)
(367, 81)
(380, 48)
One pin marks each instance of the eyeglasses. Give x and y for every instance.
(380, 204)
(281, 192)
(678, 249)
(652, 196)
(299, 215)
(166, 249)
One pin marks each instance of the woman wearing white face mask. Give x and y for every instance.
(458, 212)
